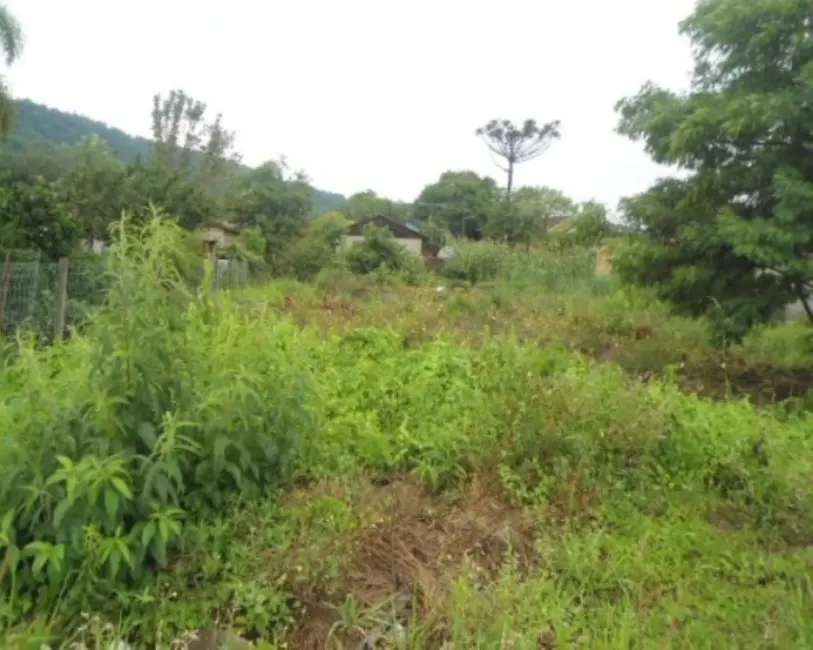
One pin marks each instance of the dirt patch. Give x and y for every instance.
(709, 374)
(604, 260)
(338, 307)
(762, 384)
(410, 559)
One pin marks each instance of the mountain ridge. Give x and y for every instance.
(37, 123)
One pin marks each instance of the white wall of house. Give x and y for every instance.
(446, 253)
(412, 245)
(97, 246)
(796, 310)
(217, 235)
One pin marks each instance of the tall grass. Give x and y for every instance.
(571, 271)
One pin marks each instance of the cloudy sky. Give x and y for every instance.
(366, 93)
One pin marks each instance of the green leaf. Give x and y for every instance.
(122, 487)
(114, 562)
(219, 453)
(147, 433)
(148, 533)
(60, 511)
(111, 502)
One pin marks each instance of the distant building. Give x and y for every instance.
(407, 234)
(560, 222)
(217, 235)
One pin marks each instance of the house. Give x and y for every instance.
(406, 234)
(560, 222)
(217, 235)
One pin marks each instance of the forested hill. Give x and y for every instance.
(37, 123)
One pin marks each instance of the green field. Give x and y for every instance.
(514, 464)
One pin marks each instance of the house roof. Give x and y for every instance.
(559, 223)
(398, 228)
(225, 226)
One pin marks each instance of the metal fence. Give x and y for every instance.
(46, 298)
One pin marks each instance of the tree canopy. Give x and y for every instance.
(531, 212)
(461, 201)
(272, 200)
(366, 204)
(85, 174)
(734, 238)
(11, 44)
(45, 139)
(517, 144)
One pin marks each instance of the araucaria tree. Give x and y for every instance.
(517, 144)
(734, 239)
(11, 44)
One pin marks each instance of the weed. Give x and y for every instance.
(314, 464)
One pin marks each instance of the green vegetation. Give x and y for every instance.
(516, 448)
(517, 144)
(735, 238)
(309, 465)
(11, 44)
(43, 133)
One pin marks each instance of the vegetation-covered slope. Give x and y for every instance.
(37, 124)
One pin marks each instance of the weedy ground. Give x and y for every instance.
(515, 464)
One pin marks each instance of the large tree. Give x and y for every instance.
(187, 142)
(34, 217)
(363, 205)
(517, 144)
(734, 238)
(462, 201)
(11, 43)
(531, 212)
(192, 164)
(94, 187)
(273, 200)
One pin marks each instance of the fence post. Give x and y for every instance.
(61, 302)
(7, 266)
(32, 298)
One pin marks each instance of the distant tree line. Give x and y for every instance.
(64, 179)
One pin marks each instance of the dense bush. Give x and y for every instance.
(112, 440)
(377, 250)
(379, 253)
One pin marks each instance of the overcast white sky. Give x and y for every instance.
(372, 94)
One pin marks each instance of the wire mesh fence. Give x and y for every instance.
(48, 298)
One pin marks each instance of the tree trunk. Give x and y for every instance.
(510, 183)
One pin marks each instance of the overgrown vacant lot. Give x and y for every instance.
(546, 299)
(439, 470)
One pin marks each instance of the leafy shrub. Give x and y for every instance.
(378, 249)
(307, 256)
(381, 255)
(112, 441)
(35, 217)
(329, 228)
(317, 248)
(590, 226)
